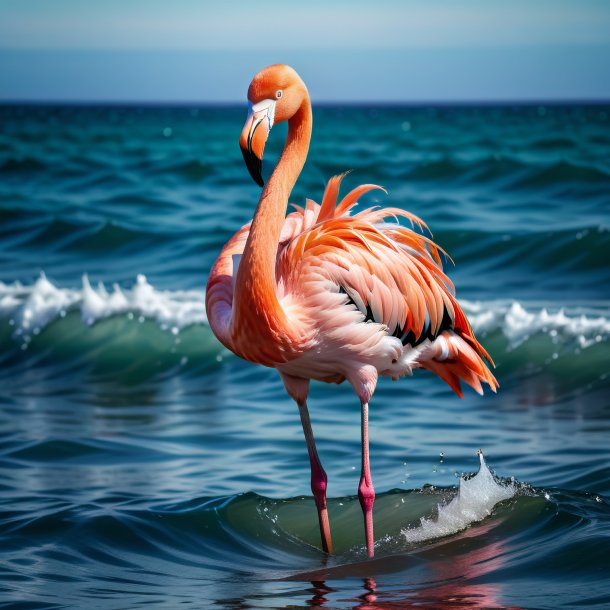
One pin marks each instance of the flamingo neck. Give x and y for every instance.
(259, 323)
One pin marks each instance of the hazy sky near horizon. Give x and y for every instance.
(388, 50)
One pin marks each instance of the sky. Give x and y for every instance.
(198, 51)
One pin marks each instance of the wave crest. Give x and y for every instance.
(31, 308)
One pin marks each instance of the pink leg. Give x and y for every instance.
(366, 492)
(318, 480)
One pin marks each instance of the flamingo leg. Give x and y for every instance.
(318, 479)
(366, 492)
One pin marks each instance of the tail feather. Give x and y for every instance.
(456, 360)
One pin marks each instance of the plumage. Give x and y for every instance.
(384, 277)
(330, 294)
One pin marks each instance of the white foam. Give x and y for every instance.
(475, 500)
(518, 324)
(31, 308)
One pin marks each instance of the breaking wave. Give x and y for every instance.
(30, 309)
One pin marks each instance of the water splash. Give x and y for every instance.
(475, 500)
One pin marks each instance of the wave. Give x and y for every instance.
(190, 169)
(511, 172)
(29, 310)
(252, 525)
(21, 165)
(282, 535)
(518, 323)
(404, 519)
(32, 308)
(562, 172)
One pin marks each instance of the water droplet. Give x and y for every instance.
(547, 496)
(167, 132)
(175, 330)
(140, 319)
(130, 315)
(406, 126)
(353, 468)
(183, 360)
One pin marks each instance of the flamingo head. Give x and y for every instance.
(275, 95)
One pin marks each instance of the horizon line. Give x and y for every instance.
(127, 103)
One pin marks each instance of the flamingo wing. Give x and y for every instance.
(391, 274)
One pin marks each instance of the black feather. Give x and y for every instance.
(406, 335)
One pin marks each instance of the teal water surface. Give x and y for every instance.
(142, 464)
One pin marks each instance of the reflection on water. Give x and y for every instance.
(446, 582)
(449, 581)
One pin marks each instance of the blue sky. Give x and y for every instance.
(411, 51)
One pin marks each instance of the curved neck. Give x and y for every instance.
(255, 298)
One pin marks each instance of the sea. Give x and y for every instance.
(142, 464)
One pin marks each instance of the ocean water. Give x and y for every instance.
(143, 464)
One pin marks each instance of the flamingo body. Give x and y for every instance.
(332, 295)
(362, 294)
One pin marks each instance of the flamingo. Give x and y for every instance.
(331, 295)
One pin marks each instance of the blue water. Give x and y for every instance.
(142, 464)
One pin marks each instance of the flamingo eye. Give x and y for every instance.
(278, 94)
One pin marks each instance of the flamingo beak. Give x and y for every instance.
(254, 137)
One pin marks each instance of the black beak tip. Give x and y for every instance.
(254, 165)
(259, 180)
